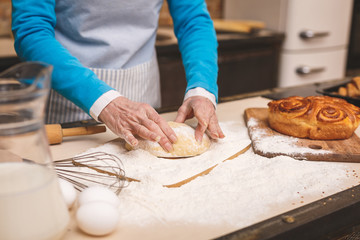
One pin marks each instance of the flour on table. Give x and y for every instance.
(141, 165)
(278, 143)
(235, 194)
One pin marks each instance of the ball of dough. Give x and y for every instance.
(186, 145)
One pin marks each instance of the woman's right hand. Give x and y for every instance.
(128, 119)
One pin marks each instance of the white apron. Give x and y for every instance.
(140, 83)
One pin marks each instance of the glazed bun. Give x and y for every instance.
(315, 117)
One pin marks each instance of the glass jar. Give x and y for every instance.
(31, 204)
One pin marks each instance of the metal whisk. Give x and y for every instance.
(98, 168)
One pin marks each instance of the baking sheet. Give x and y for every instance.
(320, 88)
(331, 91)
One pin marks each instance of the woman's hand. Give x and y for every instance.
(128, 119)
(203, 109)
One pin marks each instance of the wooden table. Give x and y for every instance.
(278, 222)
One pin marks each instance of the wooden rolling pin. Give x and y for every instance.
(242, 26)
(55, 132)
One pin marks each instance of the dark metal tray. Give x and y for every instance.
(331, 91)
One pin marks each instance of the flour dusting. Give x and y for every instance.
(277, 144)
(235, 194)
(142, 165)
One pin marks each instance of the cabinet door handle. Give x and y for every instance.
(310, 34)
(306, 70)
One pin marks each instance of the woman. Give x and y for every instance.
(103, 53)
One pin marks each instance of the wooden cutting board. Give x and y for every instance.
(269, 143)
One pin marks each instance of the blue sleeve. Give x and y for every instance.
(196, 36)
(33, 23)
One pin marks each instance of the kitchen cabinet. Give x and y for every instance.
(8, 56)
(317, 35)
(247, 62)
(7, 62)
(353, 61)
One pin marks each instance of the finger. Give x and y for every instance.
(166, 145)
(183, 113)
(203, 120)
(199, 131)
(145, 133)
(158, 124)
(220, 132)
(214, 129)
(129, 138)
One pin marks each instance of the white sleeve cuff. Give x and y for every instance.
(102, 102)
(199, 91)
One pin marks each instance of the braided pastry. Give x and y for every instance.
(315, 117)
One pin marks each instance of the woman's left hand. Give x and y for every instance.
(204, 111)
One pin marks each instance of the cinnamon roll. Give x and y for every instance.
(315, 117)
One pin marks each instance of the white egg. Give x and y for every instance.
(97, 193)
(97, 218)
(68, 191)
